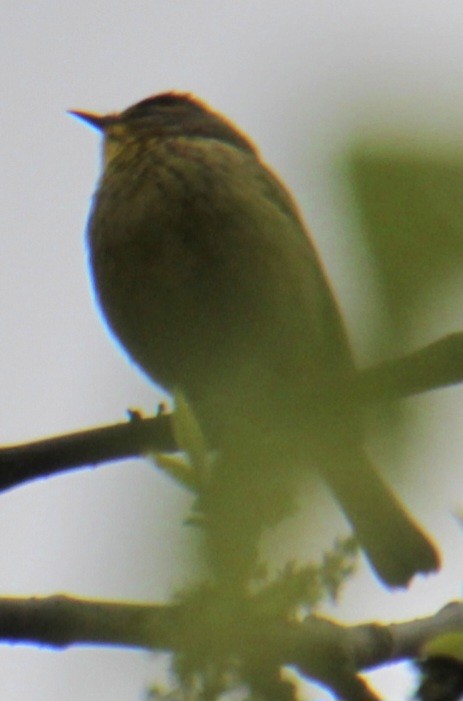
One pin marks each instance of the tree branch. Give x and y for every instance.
(437, 365)
(60, 621)
(320, 648)
(44, 458)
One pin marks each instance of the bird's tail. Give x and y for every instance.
(394, 543)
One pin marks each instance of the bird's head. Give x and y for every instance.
(167, 115)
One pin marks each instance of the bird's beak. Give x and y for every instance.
(97, 121)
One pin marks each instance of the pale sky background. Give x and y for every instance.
(302, 77)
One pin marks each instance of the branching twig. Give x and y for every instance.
(320, 648)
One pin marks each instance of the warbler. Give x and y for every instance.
(207, 275)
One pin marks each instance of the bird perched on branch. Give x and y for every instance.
(208, 277)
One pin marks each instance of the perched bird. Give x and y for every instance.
(207, 275)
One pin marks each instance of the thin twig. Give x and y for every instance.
(435, 366)
(44, 458)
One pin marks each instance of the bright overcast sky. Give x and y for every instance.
(302, 77)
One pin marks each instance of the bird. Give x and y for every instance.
(208, 277)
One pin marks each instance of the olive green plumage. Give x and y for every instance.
(206, 274)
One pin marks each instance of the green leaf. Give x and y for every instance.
(412, 210)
